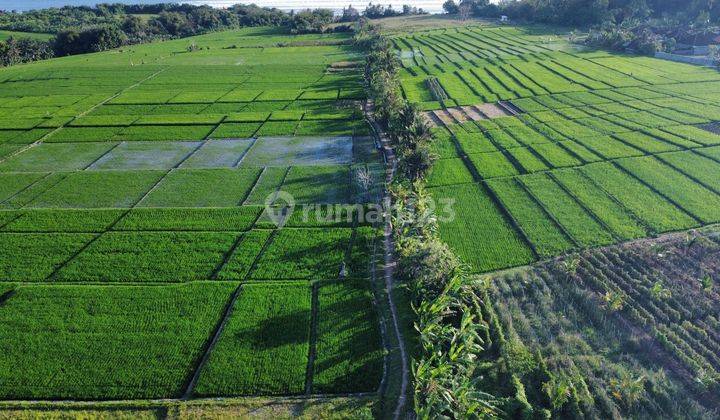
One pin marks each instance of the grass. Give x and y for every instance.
(133, 346)
(264, 347)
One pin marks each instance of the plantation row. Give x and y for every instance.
(515, 66)
(626, 331)
(98, 342)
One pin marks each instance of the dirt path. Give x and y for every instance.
(391, 263)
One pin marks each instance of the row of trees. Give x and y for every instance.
(81, 30)
(588, 12)
(448, 321)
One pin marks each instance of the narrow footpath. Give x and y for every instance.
(389, 258)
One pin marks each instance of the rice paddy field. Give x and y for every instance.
(599, 148)
(137, 261)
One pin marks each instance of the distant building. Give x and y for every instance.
(503, 18)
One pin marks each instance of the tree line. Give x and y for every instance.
(83, 29)
(640, 26)
(448, 322)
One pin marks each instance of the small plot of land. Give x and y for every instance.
(132, 190)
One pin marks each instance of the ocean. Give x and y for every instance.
(432, 6)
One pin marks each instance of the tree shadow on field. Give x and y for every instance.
(277, 331)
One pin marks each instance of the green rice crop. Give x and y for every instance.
(303, 253)
(603, 206)
(474, 142)
(474, 215)
(528, 160)
(503, 139)
(104, 121)
(556, 155)
(654, 210)
(64, 220)
(11, 184)
(318, 184)
(693, 197)
(241, 260)
(696, 165)
(217, 187)
(264, 347)
(646, 143)
(235, 130)
(269, 182)
(572, 216)
(349, 354)
(448, 172)
(98, 189)
(608, 147)
(540, 230)
(442, 144)
(190, 219)
(30, 257)
(56, 157)
(277, 128)
(694, 134)
(169, 132)
(83, 134)
(149, 257)
(491, 165)
(179, 119)
(120, 342)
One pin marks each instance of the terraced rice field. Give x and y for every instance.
(132, 225)
(603, 148)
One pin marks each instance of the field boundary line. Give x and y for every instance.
(390, 264)
(703, 184)
(87, 111)
(486, 188)
(547, 212)
(151, 189)
(264, 168)
(227, 255)
(656, 191)
(245, 153)
(619, 203)
(582, 205)
(312, 343)
(210, 345)
(26, 187)
(250, 190)
(201, 143)
(267, 243)
(107, 152)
